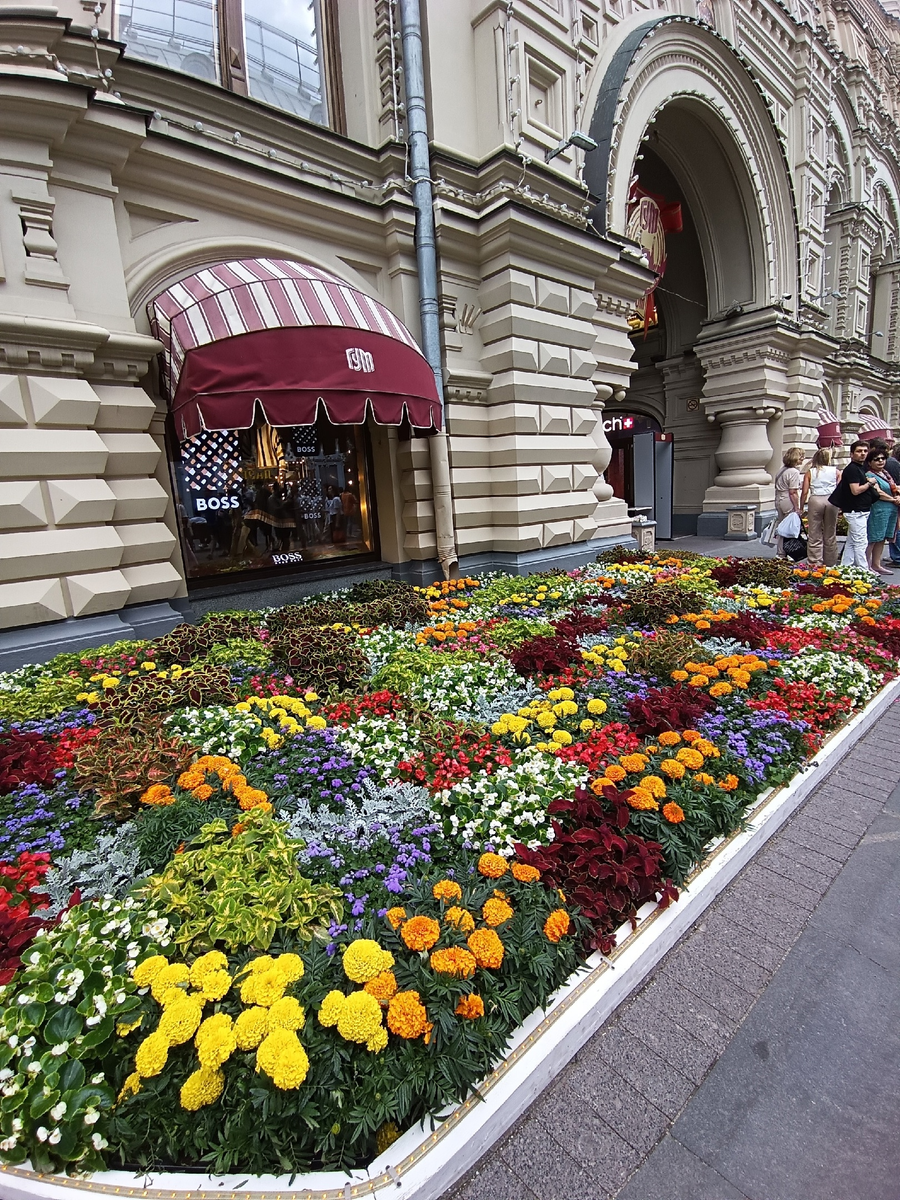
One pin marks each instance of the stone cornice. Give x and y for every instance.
(43, 345)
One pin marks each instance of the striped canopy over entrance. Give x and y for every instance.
(829, 430)
(289, 341)
(874, 427)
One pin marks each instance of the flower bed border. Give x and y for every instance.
(425, 1162)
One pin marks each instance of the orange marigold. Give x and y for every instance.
(383, 987)
(158, 793)
(396, 916)
(453, 961)
(557, 925)
(495, 912)
(669, 737)
(232, 781)
(460, 918)
(191, 778)
(248, 797)
(616, 774)
(420, 933)
(237, 828)
(598, 785)
(406, 1015)
(634, 762)
(203, 792)
(691, 758)
(524, 873)
(641, 799)
(704, 777)
(707, 748)
(691, 736)
(654, 785)
(492, 865)
(447, 889)
(487, 948)
(672, 767)
(673, 812)
(720, 689)
(729, 783)
(471, 1007)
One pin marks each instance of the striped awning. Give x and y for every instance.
(287, 340)
(829, 429)
(873, 426)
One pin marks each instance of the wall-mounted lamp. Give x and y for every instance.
(579, 139)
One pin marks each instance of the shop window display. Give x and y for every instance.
(266, 497)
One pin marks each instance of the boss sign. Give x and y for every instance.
(359, 360)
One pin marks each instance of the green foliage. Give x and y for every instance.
(45, 697)
(186, 642)
(616, 555)
(238, 890)
(405, 669)
(517, 630)
(156, 694)
(251, 651)
(650, 605)
(161, 829)
(325, 660)
(665, 652)
(119, 764)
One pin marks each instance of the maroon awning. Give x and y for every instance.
(289, 341)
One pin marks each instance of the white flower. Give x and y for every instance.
(58, 1111)
(98, 1078)
(9, 1143)
(5, 1074)
(17, 1124)
(107, 970)
(98, 1141)
(58, 1050)
(91, 1117)
(41, 1133)
(54, 1137)
(34, 1068)
(14, 1041)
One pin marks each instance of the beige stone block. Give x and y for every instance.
(12, 405)
(148, 542)
(522, 387)
(552, 295)
(22, 506)
(558, 533)
(418, 515)
(511, 354)
(420, 545)
(138, 498)
(414, 484)
(123, 407)
(514, 320)
(58, 551)
(514, 418)
(583, 529)
(152, 581)
(69, 403)
(51, 453)
(517, 451)
(583, 363)
(515, 481)
(475, 540)
(582, 303)
(81, 501)
(584, 477)
(554, 420)
(556, 478)
(584, 421)
(130, 453)
(553, 360)
(100, 591)
(467, 420)
(507, 287)
(519, 539)
(31, 603)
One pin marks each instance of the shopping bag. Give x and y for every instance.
(767, 537)
(789, 527)
(795, 548)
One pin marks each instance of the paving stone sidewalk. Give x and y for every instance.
(760, 1060)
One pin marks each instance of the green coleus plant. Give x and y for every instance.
(237, 887)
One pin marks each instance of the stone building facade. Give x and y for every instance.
(142, 145)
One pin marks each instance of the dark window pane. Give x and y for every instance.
(253, 499)
(179, 34)
(283, 56)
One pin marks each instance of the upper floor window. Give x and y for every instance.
(273, 50)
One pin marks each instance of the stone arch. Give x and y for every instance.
(840, 174)
(724, 150)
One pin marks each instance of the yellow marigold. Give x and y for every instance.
(460, 918)
(382, 987)
(633, 762)
(641, 799)
(216, 1040)
(215, 985)
(454, 961)
(616, 773)
(364, 959)
(596, 707)
(123, 1028)
(557, 925)
(151, 1055)
(669, 737)
(286, 1013)
(179, 1022)
(672, 767)
(378, 1040)
(130, 1087)
(406, 1015)
(525, 873)
(359, 1017)
(447, 889)
(250, 1027)
(690, 757)
(283, 1059)
(145, 972)
(169, 977)
(261, 963)
(654, 785)
(420, 933)
(492, 865)
(331, 1008)
(471, 1007)
(215, 960)
(487, 948)
(396, 916)
(707, 748)
(673, 812)
(561, 737)
(202, 1088)
(720, 689)
(159, 794)
(290, 966)
(203, 792)
(263, 987)
(494, 912)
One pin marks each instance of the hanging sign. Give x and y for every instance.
(650, 218)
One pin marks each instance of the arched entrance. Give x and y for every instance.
(679, 118)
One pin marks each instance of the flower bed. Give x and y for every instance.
(279, 886)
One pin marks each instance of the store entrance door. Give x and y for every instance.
(640, 469)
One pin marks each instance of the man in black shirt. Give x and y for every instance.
(856, 493)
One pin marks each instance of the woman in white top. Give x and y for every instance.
(818, 483)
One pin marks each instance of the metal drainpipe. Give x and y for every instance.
(426, 257)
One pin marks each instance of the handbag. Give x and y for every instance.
(790, 527)
(767, 537)
(795, 547)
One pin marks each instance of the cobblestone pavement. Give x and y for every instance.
(760, 1059)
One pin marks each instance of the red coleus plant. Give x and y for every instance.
(745, 628)
(606, 871)
(600, 747)
(544, 656)
(28, 757)
(677, 707)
